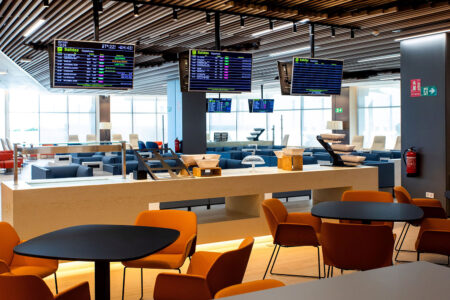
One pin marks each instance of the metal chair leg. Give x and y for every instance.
(179, 271)
(123, 283)
(400, 237)
(318, 260)
(328, 273)
(56, 283)
(293, 275)
(418, 256)
(142, 284)
(268, 265)
(401, 244)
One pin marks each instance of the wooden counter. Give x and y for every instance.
(37, 207)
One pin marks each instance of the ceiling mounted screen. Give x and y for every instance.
(220, 71)
(92, 65)
(320, 77)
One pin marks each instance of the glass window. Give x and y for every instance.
(53, 103)
(82, 124)
(24, 117)
(122, 124)
(379, 113)
(314, 122)
(2, 113)
(53, 128)
(143, 104)
(81, 103)
(121, 104)
(145, 126)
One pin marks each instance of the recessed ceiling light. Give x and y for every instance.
(421, 35)
(379, 57)
(281, 27)
(396, 31)
(304, 21)
(3, 72)
(34, 27)
(302, 49)
(25, 60)
(391, 78)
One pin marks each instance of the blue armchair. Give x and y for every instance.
(66, 171)
(386, 177)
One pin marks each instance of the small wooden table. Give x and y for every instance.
(101, 244)
(412, 281)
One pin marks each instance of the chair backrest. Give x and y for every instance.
(358, 142)
(8, 240)
(357, 247)
(151, 145)
(367, 196)
(5, 148)
(117, 137)
(24, 287)
(398, 143)
(73, 138)
(229, 268)
(183, 221)
(402, 195)
(9, 144)
(91, 138)
(275, 213)
(134, 138)
(248, 287)
(379, 143)
(285, 140)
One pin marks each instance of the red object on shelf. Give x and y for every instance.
(7, 160)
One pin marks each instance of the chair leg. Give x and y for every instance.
(401, 244)
(179, 271)
(123, 283)
(142, 284)
(400, 237)
(268, 265)
(418, 256)
(56, 283)
(332, 271)
(328, 272)
(294, 275)
(318, 260)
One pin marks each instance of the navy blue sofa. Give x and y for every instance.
(79, 158)
(386, 176)
(66, 171)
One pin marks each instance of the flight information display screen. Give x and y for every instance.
(260, 105)
(311, 76)
(220, 71)
(86, 64)
(218, 105)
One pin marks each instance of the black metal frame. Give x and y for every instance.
(402, 239)
(56, 283)
(293, 275)
(142, 282)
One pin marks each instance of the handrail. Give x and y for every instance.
(122, 147)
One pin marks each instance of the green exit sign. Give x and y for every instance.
(339, 110)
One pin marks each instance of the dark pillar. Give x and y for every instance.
(341, 112)
(426, 119)
(105, 117)
(186, 118)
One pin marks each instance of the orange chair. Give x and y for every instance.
(434, 237)
(291, 230)
(22, 265)
(173, 256)
(208, 273)
(356, 247)
(30, 287)
(367, 196)
(432, 208)
(248, 287)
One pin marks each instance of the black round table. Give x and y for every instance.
(99, 243)
(367, 211)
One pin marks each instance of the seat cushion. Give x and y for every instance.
(157, 261)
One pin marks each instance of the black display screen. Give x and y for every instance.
(218, 105)
(218, 71)
(86, 64)
(311, 76)
(260, 105)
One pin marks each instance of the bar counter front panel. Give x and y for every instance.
(37, 207)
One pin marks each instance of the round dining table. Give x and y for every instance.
(101, 244)
(367, 212)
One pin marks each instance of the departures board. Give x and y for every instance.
(97, 65)
(218, 105)
(312, 76)
(220, 71)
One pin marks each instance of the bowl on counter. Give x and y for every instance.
(207, 163)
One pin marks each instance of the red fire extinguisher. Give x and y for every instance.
(410, 160)
(177, 145)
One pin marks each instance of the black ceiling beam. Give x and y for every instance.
(96, 9)
(232, 13)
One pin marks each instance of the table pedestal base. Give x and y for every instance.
(102, 281)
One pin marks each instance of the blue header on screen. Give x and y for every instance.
(218, 105)
(220, 71)
(260, 105)
(311, 76)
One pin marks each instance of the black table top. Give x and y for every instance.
(367, 211)
(99, 243)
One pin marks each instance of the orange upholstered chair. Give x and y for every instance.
(432, 208)
(22, 265)
(367, 196)
(248, 287)
(291, 230)
(434, 237)
(30, 287)
(173, 256)
(357, 247)
(208, 273)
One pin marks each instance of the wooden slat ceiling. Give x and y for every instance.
(155, 31)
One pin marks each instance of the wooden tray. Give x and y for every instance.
(206, 172)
